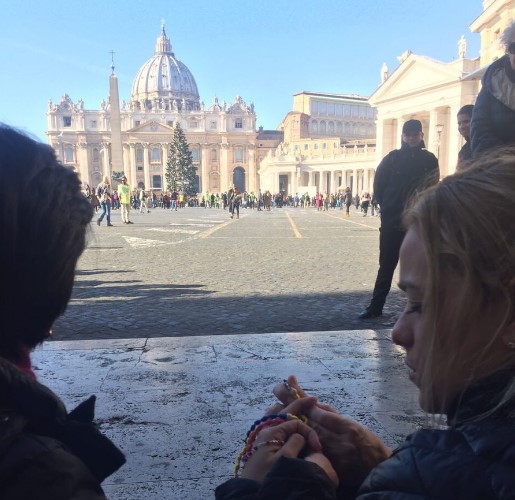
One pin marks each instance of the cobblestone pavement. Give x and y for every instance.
(195, 271)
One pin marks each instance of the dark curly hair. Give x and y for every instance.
(43, 221)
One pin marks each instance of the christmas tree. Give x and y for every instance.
(180, 172)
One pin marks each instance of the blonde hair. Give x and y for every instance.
(467, 225)
(106, 180)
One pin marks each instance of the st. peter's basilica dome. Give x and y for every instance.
(163, 82)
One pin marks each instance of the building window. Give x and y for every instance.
(155, 154)
(213, 155)
(193, 124)
(137, 123)
(314, 127)
(324, 145)
(316, 146)
(323, 128)
(213, 125)
(67, 121)
(296, 147)
(139, 155)
(238, 123)
(140, 169)
(93, 124)
(96, 156)
(68, 154)
(238, 154)
(170, 123)
(306, 146)
(195, 154)
(335, 145)
(156, 181)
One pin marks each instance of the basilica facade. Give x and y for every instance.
(132, 136)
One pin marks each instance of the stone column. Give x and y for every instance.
(355, 187)
(225, 168)
(146, 165)
(431, 140)
(366, 181)
(310, 179)
(83, 163)
(133, 179)
(204, 169)
(165, 165)
(251, 183)
(398, 140)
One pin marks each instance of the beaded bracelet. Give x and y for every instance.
(257, 426)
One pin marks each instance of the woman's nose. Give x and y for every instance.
(402, 333)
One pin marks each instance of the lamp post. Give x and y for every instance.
(439, 130)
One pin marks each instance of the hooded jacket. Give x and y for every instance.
(46, 452)
(493, 118)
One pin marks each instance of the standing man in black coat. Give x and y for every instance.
(401, 173)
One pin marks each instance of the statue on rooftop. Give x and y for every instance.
(462, 47)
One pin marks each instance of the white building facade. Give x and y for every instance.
(133, 136)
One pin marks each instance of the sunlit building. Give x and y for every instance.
(132, 135)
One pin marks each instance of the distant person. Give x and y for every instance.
(124, 195)
(464, 119)
(143, 207)
(104, 196)
(493, 120)
(400, 174)
(46, 452)
(347, 201)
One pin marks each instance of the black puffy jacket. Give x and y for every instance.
(493, 118)
(46, 452)
(472, 460)
(400, 174)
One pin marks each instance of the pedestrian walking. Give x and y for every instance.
(104, 196)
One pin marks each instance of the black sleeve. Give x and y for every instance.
(481, 131)
(381, 177)
(289, 479)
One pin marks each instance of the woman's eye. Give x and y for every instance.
(414, 307)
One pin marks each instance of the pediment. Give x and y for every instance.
(152, 127)
(416, 74)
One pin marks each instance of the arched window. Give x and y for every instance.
(330, 127)
(68, 154)
(141, 185)
(155, 154)
(339, 128)
(323, 128)
(96, 156)
(139, 155)
(238, 178)
(195, 154)
(314, 127)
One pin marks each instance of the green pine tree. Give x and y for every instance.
(180, 172)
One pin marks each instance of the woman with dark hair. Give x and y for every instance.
(458, 331)
(45, 452)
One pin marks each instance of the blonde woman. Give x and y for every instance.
(104, 196)
(458, 330)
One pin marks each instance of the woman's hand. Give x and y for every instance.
(352, 449)
(289, 439)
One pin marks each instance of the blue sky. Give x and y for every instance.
(264, 51)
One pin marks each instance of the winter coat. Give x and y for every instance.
(474, 460)
(401, 174)
(46, 452)
(493, 118)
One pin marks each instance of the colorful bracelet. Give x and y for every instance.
(257, 426)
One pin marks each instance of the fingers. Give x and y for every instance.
(294, 446)
(282, 432)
